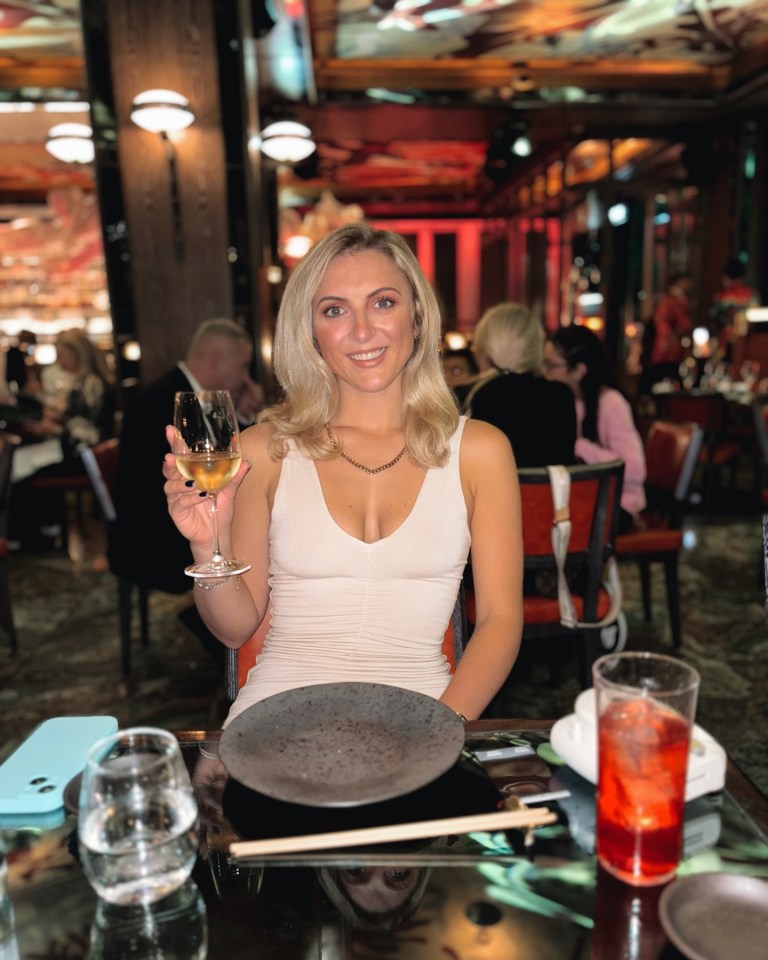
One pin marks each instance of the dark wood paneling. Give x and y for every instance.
(170, 44)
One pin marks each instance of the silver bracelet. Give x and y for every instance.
(210, 583)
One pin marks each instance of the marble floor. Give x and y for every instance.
(65, 607)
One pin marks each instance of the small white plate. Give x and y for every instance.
(716, 916)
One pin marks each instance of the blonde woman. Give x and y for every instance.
(361, 494)
(538, 417)
(83, 416)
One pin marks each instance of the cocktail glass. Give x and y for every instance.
(646, 705)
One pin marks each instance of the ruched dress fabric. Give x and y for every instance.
(346, 610)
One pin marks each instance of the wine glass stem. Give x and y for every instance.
(215, 525)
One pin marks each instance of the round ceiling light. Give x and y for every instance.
(287, 141)
(70, 142)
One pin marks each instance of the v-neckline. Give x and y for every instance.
(351, 536)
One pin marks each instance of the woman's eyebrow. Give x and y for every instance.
(373, 293)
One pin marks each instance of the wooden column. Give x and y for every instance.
(180, 271)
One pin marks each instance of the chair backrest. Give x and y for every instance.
(671, 453)
(239, 662)
(101, 462)
(707, 408)
(594, 512)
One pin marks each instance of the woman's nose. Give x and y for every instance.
(362, 328)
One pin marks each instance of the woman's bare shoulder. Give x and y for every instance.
(481, 440)
(255, 444)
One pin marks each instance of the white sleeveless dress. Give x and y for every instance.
(343, 609)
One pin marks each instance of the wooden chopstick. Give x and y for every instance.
(421, 829)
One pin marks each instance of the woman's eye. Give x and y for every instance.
(333, 311)
(398, 879)
(384, 303)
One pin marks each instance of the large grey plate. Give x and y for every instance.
(716, 916)
(341, 744)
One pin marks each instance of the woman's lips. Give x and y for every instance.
(365, 356)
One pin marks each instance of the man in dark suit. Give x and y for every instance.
(145, 547)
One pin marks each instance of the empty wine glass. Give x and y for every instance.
(138, 820)
(207, 448)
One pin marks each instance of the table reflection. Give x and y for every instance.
(174, 927)
(465, 897)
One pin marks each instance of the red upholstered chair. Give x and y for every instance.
(239, 662)
(672, 451)
(709, 410)
(594, 513)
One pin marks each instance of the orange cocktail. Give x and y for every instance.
(644, 729)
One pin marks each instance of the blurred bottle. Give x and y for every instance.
(627, 925)
(174, 928)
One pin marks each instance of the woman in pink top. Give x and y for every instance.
(606, 427)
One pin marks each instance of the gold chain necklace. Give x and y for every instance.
(361, 466)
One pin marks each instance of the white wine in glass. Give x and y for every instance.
(207, 449)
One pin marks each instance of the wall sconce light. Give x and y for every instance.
(164, 112)
(70, 142)
(161, 111)
(287, 141)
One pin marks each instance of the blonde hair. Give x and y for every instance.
(512, 339)
(311, 395)
(90, 359)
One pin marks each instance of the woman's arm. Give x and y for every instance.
(619, 438)
(232, 610)
(489, 478)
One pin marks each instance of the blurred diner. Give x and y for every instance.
(577, 357)
(728, 313)
(218, 357)
(670, 331)
(81, 417)
(360, 494)
(461, 371)
(538, 416)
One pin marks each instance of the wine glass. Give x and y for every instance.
(207, 449)
(138, 821)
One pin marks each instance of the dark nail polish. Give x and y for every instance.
(203, 494)
(189, 483)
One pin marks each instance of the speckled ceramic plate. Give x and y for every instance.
(341, 744)
(716, 916)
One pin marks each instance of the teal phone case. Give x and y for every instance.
(33, 778)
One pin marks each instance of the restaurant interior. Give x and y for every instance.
(571, 157)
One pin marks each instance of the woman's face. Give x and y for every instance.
(362, 320)
(555, 367)
(379, 889)
(67, 358)
(457, 370)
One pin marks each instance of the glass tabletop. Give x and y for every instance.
(457, 896)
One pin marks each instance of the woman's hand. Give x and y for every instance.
(189, 508)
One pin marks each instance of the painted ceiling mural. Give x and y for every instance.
(702, 31)
(30, 29)
(446, 159)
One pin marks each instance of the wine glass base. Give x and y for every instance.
(220, 568)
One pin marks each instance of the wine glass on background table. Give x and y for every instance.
(207, 448)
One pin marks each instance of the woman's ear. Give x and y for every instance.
(579, 371)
